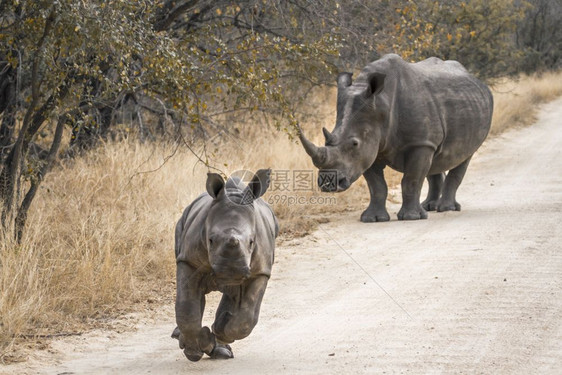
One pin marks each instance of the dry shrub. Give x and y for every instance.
(98, 238)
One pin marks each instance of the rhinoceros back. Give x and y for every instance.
(189, 237)
(432, 103)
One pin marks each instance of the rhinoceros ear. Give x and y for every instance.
(344, 80)
(260, 183)
(375, 83)
(215, 183)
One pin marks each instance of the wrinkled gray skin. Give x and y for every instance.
(422, 119)
(225, 241)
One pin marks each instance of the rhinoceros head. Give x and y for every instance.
(353, 145)
(230, 227)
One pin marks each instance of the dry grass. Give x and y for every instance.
(516, 101)
(98, 238)
(100, 235)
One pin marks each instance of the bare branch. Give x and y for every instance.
(174, 14)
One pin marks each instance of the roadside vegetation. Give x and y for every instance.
(516, 101)
(101, 152)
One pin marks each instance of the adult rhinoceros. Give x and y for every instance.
(225, 241)
(422, 119)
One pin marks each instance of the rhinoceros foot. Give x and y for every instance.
(206, 340)
(418, 214)
(193, 355)
(448, 206)
(222, 351)
(372, 216)
(430, 205)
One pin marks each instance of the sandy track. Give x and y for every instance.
(476, 291)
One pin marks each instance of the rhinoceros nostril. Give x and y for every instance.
(343, 183)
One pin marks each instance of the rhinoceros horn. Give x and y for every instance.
(318, 154)
(329, 137)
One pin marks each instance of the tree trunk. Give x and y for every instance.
(11, 174)
(7, 109)
(21, 216)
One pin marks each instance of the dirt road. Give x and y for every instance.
(476, 291)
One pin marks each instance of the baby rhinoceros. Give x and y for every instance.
(225, 241)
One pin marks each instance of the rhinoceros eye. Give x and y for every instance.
(210, 241)
(251, 243)
(355, 142)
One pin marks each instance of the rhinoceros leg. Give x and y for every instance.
(378, 190)
(238, 311)
(434, 191)
(452, 182)
(417, 162)
(190, 303)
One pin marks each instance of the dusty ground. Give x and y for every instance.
(476, 291)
